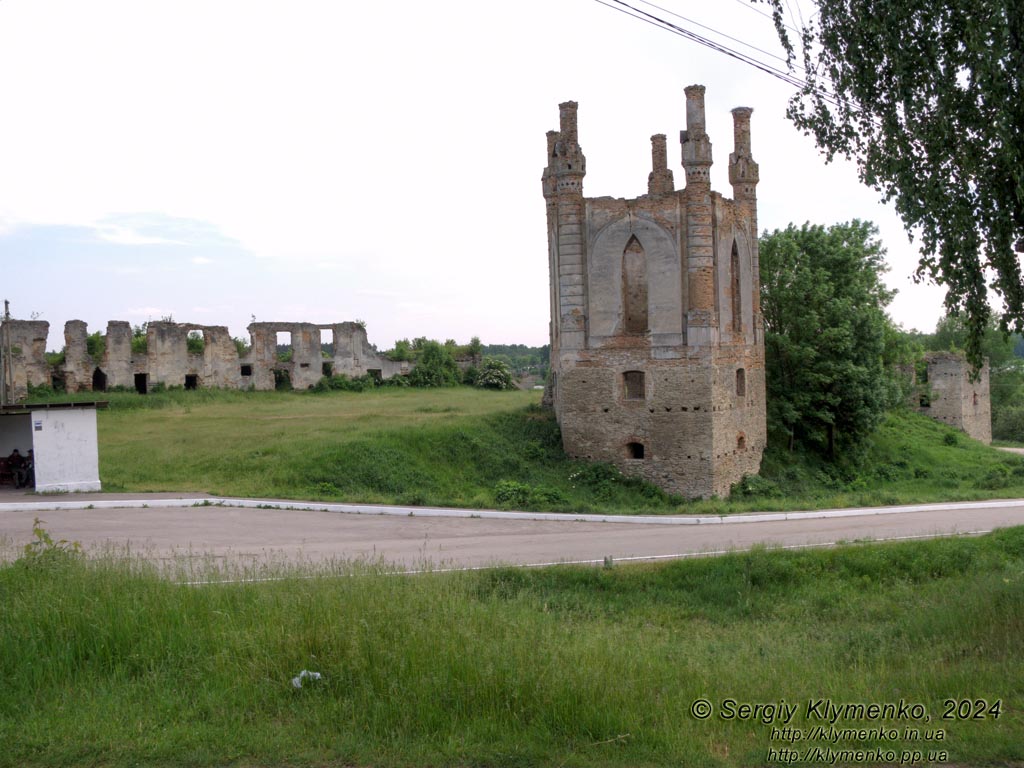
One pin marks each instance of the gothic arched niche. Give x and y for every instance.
(737, 289)
(634, 287)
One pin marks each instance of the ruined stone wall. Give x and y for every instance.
(167, 360)
(25, 341)
(955, 399)
(657, 348)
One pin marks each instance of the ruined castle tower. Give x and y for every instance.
(657, 348)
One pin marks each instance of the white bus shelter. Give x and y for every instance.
(62, 437)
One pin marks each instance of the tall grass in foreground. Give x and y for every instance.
(103, 662)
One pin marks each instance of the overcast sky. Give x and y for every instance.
(324, 161)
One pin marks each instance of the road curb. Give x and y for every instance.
(494, 514)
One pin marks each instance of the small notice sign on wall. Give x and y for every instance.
(38, 425)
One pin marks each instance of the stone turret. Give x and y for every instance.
(563, 190)
(660, 181)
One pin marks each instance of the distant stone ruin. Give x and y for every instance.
(950, 395)
(167, 360)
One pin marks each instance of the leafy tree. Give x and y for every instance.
(96, 345)
(827, 337)
(140, 340)
(927, 97)
(435, 366)
(494, 374)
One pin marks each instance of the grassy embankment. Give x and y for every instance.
(105, 663)
(473, 448)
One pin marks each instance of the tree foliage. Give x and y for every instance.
(927, 97)
(829, 346)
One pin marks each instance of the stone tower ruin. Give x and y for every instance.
(657, 347)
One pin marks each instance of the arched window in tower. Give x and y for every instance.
(634, 287)
(737, 293)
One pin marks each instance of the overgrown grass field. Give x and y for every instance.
(105, 663)
(475, 448)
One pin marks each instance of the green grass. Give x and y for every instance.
(472, 448)
(104, 662)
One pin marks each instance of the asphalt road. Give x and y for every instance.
(253, 534)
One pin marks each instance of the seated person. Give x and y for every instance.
(15, 462)
(25, 475)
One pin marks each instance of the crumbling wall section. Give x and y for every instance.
(117, 355)
(355, 356)
(25, 342)
(78, 364)
(954, 398)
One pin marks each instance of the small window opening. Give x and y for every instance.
(635, 385)
(247, 370)
(741, 443)
(327, 342)
(327, 369)
(191, 381)
(635, 450)
(141, 383)
(303, 365)
(975, 398)
(285, 350)
(99, 381)
(741, 382)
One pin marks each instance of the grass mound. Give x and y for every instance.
(466, 447)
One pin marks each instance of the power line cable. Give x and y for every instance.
(715, 31)
(783, 75)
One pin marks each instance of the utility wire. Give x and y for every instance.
(783, 75)
(715, 31)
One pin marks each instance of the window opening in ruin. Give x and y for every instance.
(741, 443)
(327, 343)
(247, 370)
(975, 398)
(737, 294)
(282, 379)
(191, 381)
(195, 342)
(285, 350)
(741, 382)
(634, 450)
(634, 287)
(141, 383)
(99, 381)
(376, 373)
(327, 368)
(635, 385)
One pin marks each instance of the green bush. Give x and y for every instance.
(510, 492)
(435, 368)
(756, 486)
(495, 374)
(950, 438)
